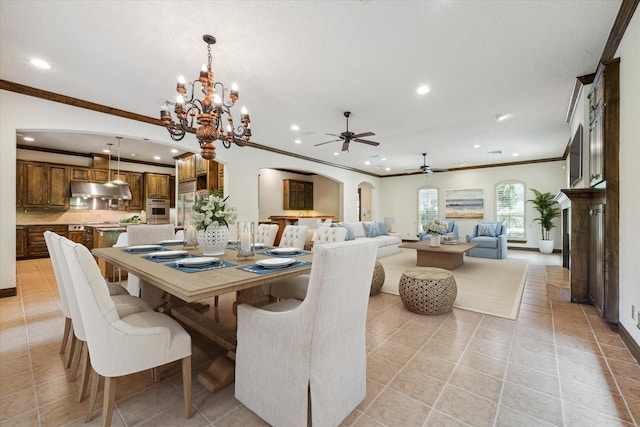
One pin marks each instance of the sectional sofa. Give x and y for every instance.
(388, 243)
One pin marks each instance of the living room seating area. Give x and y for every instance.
(491, 237)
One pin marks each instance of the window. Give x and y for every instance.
(510, 208)
(427, 205)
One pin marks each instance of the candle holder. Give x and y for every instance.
(190, 238)
(246, 240)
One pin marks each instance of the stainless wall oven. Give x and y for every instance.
(158, 211)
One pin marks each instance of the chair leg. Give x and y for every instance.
(72, 349)
(65, 335)
(84, 374)
(95, 384)
(215, 301)
(76, 361)
(109, 399)
(186, 386)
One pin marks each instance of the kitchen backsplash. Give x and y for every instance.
(69, 217)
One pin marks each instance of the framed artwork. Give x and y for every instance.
(465, 203)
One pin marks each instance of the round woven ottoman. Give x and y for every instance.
(428, 290)
(378, 279)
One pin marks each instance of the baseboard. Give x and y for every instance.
(633, 346)
(8, 292)
(524, 248)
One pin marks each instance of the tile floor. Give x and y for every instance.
(558, 364)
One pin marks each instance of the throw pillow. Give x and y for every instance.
(371, 229)
(487, 230)
(384, 228)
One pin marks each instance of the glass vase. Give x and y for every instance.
(246, 240)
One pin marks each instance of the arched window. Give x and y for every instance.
(427, 205)
(510, 208)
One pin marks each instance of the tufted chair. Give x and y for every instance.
(304, 363)
(294, 236)
(491, 237)
(296, 287)
(122, 345)
(266, 234)
(452, 230)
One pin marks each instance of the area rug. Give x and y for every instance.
(489, 286)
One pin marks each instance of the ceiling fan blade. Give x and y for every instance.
(345, 146)
(363, 134)
(364, 141)
(439, 170)
(429, 171)
(332, 134)
(326, 142)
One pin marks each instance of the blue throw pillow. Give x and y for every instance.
(350, 235)
(384, 228)
(488, 230)
(371, 229)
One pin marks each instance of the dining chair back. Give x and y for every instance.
(121, 346)
(294, 236)
(266, 234)
(308, 363)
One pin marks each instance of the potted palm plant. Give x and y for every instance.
(545, 203)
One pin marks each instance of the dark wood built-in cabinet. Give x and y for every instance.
(592, 214)
(42, 185)
(208, 174)
(297, 195)
(156, 185)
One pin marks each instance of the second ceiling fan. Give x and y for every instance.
(346, 137)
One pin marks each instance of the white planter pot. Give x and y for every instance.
(545, 246)
(435, 240)
(213, 241)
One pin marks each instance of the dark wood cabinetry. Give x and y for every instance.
(136, 185)
(35, 241)
(99, 175)
(34, 185)
(19, 183)
(208, 174)
(186, 168)
(76, 236)
(79, 173)
(57, 187)
(156, 186)
(297, 195)
(21, 241)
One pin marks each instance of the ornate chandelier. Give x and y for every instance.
(207, 112)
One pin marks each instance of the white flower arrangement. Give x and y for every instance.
(436, 226)
(212, 210)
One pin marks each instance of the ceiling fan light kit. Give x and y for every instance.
(346, 137)
(426, 168)
(207, 112)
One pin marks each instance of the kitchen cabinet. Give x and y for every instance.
(156, 186)
(37, 247)
(34, 185)
(123, 175)
(19, 183)
(136, 185)
(209, 175)
(79, 173)
(186, 168)
(297, 195)
(21, 241)
(202, 164)
(99, 175)
(76, 236)
(172, 191)
(57, 187)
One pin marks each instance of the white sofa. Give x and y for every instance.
(388, 243)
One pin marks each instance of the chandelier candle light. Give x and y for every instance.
(208, 111)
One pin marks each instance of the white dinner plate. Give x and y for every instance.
(171, 242)
(258, 245)
(144, 248)
(275, 262)
(197, 261)
(167, 254)
(285, 251)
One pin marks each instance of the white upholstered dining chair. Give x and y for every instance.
(145, 234)
(118, 345)
(296, 287)
(294, 236)
(310, 361)
(266, 234)
(125, 305)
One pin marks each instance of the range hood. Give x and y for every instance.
(93, 190)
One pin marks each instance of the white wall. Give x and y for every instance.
(400, 195)
(629, 54)
(241, 164)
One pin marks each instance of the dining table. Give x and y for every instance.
(176, 271)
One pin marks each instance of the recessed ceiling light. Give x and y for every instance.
(106, 150)
(384, 158)
(295, 127)
(501, 117)
(476, 146)
(367, 162)
(423, 90)
(156, 157)
(174, 151)
(460, 164)
(515, 154)
(40, 63)
(297, 141)
(336, 154)
(133, 154)
(28, 138)
(387, 169)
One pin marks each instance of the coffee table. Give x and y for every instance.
(447, 256)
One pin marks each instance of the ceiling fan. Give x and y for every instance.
(347, 137)
(426, 168)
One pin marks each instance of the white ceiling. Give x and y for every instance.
(306, 62)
